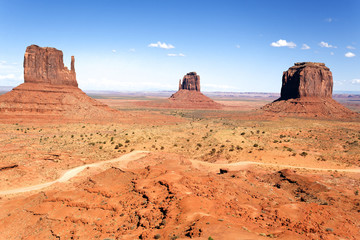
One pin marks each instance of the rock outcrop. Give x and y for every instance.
(189, 95)
(191, 81)
(45, 65)
(307, 79)
(307, 91)
(50, 92)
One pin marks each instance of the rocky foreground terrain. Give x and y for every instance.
(199, 177)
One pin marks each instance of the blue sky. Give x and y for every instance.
(138, 45)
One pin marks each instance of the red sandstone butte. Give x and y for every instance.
(189, 95)
(50, 91)
(307, 91)
(191, 81)
(307, 79)
(45, 65)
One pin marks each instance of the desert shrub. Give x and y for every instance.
(239, 148)
(256, 145)
(127, 141)
(303, 154)
(243, 133)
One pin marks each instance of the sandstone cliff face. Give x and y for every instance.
(191, 81)
(50, 92)
(307, 79)
(45, 65)
(189, 95)
(307, 91)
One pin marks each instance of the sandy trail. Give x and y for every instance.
(239, 165)
(125, 159)
(135, 155)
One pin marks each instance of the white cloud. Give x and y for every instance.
(114, 51)
(350, 47)
(176, 55)
(329, 20)
(161, 45)
(132, 50)
(283, 43)
(350, 54)
(326, 45)
(8, 76)
(305, 47)
(332, 53)
(355, 81)
(237, 46)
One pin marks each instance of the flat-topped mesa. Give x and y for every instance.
(45, 65)
(307, 79)
(191, 81)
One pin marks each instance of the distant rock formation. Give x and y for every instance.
(191, 81)
(307, 91)
(45, 65)
(307, 79)
(50, 92)
(189, 95)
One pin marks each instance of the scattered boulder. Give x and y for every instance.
(307, 91)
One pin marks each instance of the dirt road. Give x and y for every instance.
(124, 159)
(240, 165)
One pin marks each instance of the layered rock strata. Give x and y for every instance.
(45, 65)
(50, 91)
(190, 81)
(307, 79)
(307, 91)
(189, 95)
